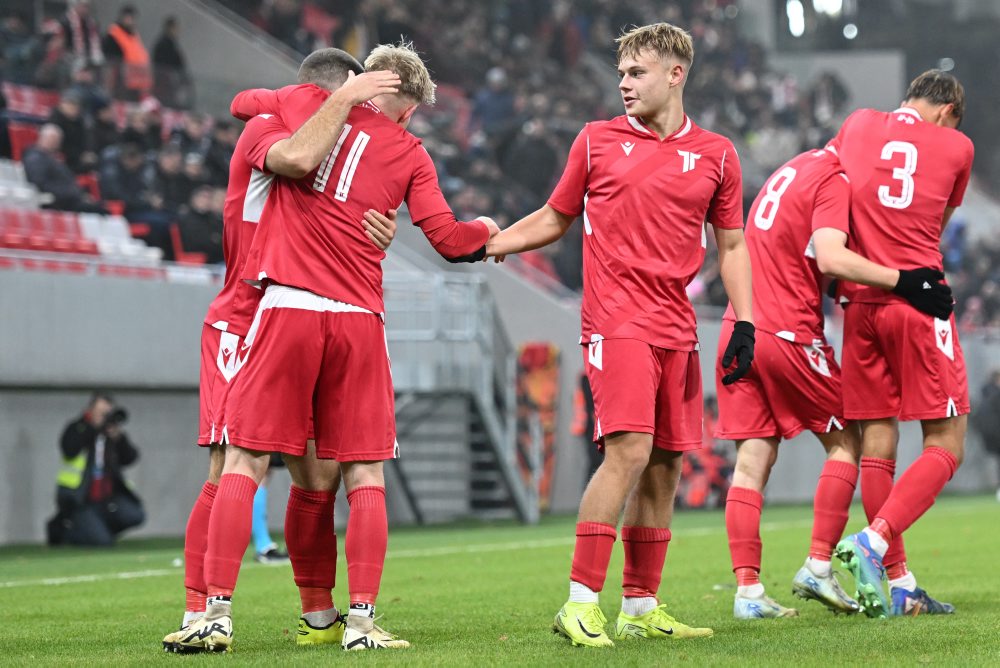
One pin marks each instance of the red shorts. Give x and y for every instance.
(304, 356)
(641, 388)
(901, 363)
(218, 366)
(790, 388)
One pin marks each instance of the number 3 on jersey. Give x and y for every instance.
(776, 187)
(904, 174)
(350, 165)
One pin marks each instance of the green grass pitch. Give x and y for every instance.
(476, 595)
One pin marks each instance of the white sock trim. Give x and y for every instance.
(581, 593)
(877, 542)
(636, 606)
(907, 582)
(750, 591)
(818, 567)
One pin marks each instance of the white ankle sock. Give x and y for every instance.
(581, 593)
(361, 610)
(817, 567)
(320, 619)
(636, 606)
(907, 582)
(218, 606)
(190, 616)
(877, 542)
(750, 591)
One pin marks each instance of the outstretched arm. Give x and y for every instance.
(535, 230)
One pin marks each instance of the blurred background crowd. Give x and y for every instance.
(518, 79)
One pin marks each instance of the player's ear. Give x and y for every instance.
(678, 74)
(404, 118)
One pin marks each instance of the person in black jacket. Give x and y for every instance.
(94, 502)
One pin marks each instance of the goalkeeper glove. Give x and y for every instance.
(740, 348)
(923, 289)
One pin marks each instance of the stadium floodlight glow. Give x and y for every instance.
(946, 64)
(796, 17)
(850, 31)
(828, 7)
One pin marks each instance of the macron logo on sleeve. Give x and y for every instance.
(689, 160)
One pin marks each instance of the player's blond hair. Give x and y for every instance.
(663, 39)
(939, 87)
(405, 61)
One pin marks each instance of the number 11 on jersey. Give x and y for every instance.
(350, 165)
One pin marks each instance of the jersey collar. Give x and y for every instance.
(911, 111)
(372, 106)
(641, 127)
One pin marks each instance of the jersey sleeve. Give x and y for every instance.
(423, 194)
(726, 210)
(250, 103)
(962, 182)
(832, 207)
(567, 198)
(260, 134)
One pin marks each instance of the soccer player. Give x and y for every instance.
(909, 169)
(646, 183)
(317, 342)
(797, 228)
(230, 314)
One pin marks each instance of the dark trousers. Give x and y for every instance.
(99, 523)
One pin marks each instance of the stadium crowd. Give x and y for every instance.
(517, 83)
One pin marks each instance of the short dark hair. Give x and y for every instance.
(98, 395)
(939, 87)
(328, 68)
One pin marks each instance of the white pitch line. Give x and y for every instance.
(393, 554)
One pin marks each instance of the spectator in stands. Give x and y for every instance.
(95, 504)
(80, 35)
(45, 169)
(201, 226)
(171, 81)
(192, 134)
(220, 151)
(124, 179)
(20, 50)
(68, 115)
(104, 132)
(86, 87)
(143, 127)
(130, 74)
(168, 181)
(493, 105)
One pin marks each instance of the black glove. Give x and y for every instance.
(475, 256)
(740, 348)
(925, 291)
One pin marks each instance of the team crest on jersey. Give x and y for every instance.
(689, 160)
(627, 146)
(817, 359)
(944, 338)
(227, 358)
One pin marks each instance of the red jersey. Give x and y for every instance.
(808, 192)
(645, 202)
(903, 172)
(312, 236)
(233, 309)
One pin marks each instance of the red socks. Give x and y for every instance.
(312, 546)
(743, 527)
(195, 544)
(592, 554)
(876, 485)
(645, 552)
(229, 532)
(915, 492)
(831, 506)
(365, 544)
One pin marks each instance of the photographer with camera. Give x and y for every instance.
(95, 503)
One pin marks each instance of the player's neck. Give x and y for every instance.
(667, 120)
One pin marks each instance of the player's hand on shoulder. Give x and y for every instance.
(379, 228)
(924, 290)
(363, 87)
(739, 350)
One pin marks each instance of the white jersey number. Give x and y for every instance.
(776, 187)
(903, 174)
(350, 165)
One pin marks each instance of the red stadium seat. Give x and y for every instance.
(180, 255)
(22, 135)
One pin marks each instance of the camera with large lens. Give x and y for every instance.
(117, 416)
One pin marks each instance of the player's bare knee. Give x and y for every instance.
(216, 462)
(627, 454)
(947, 434)
(314, 475)
(362, 474)
(251, 463)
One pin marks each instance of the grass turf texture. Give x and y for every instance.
(482, 595)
